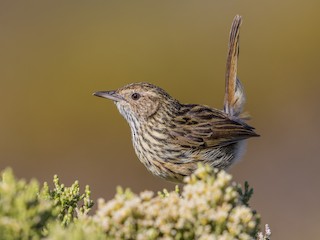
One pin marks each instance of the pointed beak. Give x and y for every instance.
(112, 95)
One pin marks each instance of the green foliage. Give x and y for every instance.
(23, 213)
(209, 206)
(66, 199)
(245, 194)
(80, 229)
(26, 210)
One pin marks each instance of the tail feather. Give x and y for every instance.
(234, 93)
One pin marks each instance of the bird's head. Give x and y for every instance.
(139, 101)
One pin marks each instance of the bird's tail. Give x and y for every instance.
(234, 93)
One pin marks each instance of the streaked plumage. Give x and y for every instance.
(171, 138)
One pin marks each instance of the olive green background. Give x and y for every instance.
(54, 54)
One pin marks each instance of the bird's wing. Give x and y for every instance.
(200, 126)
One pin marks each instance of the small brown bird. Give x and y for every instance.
(171, 138)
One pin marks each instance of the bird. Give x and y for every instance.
(170, 138)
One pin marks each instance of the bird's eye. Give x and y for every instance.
(135, 96)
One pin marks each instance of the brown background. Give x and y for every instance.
(54, 54)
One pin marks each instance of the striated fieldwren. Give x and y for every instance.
(171, 138)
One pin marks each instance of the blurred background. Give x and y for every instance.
(55, 54)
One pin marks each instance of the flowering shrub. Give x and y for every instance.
(209, 206)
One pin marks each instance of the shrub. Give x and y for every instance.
(209, 206)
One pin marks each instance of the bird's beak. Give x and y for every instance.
(112, 95)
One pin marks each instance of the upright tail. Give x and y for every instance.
(234, 93)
